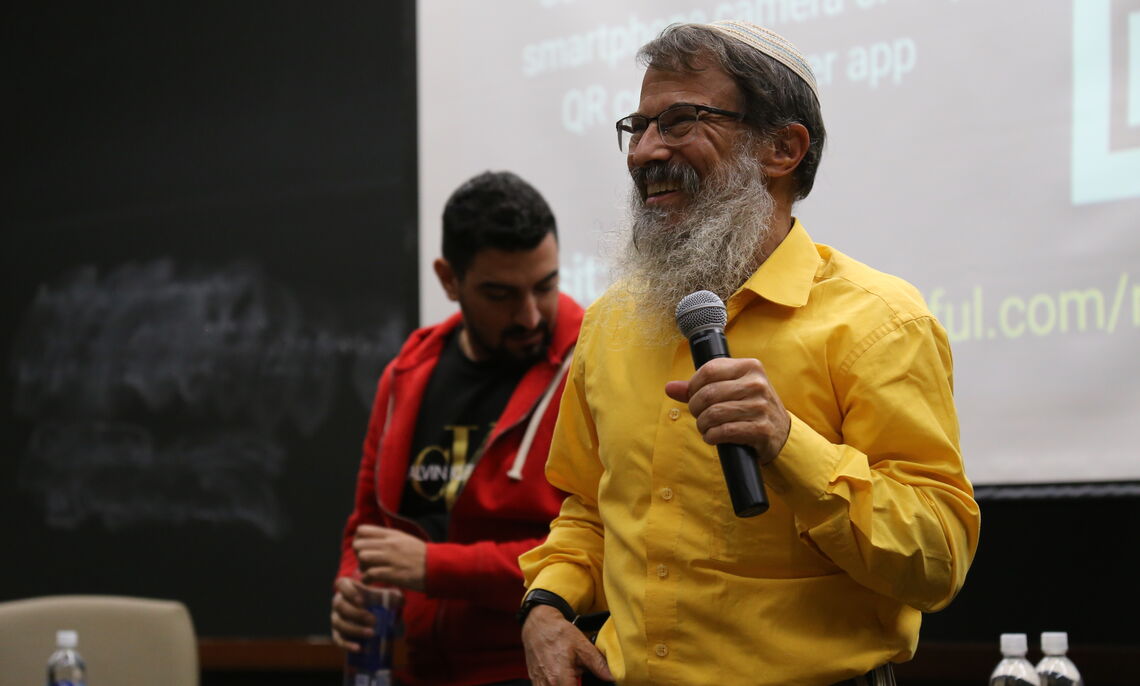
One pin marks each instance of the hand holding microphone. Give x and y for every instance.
(732, 398)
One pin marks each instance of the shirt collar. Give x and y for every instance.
(786, 277)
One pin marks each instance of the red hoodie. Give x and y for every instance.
(462, 628)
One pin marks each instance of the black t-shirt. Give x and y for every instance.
(461, 404)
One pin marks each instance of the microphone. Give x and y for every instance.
(701, 317)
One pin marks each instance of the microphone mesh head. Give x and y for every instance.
(700, 310)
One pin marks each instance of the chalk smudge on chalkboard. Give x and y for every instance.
(160, 393)
(124, 479)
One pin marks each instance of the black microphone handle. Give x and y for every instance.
(742, 474)
(738, 462)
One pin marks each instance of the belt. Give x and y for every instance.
(879, 676)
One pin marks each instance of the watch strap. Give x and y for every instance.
(539, 596)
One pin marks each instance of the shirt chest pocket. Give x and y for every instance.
(764, 546)
(743, 541)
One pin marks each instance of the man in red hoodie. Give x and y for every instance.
(451, 488)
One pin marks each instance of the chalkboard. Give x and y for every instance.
(209, 255)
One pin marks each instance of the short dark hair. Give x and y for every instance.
(493, 210)
(774, 96)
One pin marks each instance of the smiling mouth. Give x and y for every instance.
(659, 188)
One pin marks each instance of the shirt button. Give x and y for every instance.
(662, 571)
(666, 493)
(674, 414)
(662, 650)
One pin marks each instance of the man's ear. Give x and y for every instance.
(786, 150)
(447, 278)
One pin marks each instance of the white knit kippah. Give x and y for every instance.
(771, 44)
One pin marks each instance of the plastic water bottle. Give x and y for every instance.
(372, 666)
(1056, 669)
(1014, 669)
(66, 667)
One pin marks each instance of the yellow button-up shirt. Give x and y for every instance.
(872, 520)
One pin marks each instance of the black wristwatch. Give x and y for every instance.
(539, 596)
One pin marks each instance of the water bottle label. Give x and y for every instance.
(381, 678)
(376, 652)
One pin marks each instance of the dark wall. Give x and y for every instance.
(209, 253)
(1049, 559)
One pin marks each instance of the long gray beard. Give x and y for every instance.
(713, 244)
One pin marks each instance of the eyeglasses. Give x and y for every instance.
(674, 124)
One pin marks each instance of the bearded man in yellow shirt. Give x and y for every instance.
(841, 382)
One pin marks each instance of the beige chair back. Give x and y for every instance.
(125, 641)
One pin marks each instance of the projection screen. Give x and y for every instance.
(988, 152)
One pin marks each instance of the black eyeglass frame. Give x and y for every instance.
(739, 116)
